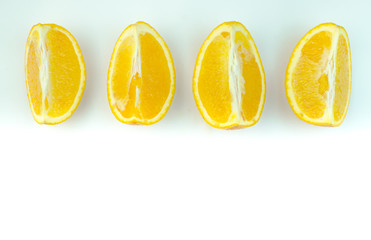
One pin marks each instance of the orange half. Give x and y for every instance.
(141, 76)
(55, 73)
(229, 80)
(319, 75)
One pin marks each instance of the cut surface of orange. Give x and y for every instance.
(55, 73)
(229, 81)
(318, 76)
(141, 76)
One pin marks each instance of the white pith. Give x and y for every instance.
(331, 74)
(136, 67)
(235, 80)
(136, 30)
(43, 72)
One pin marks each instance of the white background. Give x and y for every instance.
(93, 177)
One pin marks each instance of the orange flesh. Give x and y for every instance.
(309, 81)
(33, 75)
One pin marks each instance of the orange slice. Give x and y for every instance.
(318, 77)
(229, 80)
(141, 76)
(55, 73)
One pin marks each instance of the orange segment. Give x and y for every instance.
(342, 80)
(124, 64)
(251, 69)
(141, 77)
(157, 77)
(33, 64)
(55, 73)
(229, 80)
(213, 81)
(318, 78)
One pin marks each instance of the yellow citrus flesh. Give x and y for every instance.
(318, 77)
(229, 80)
(141, 76)
(55, 73)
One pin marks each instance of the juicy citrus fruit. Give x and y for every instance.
(318, 77)
(141, 76)
(229, 80)
(55, 73)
